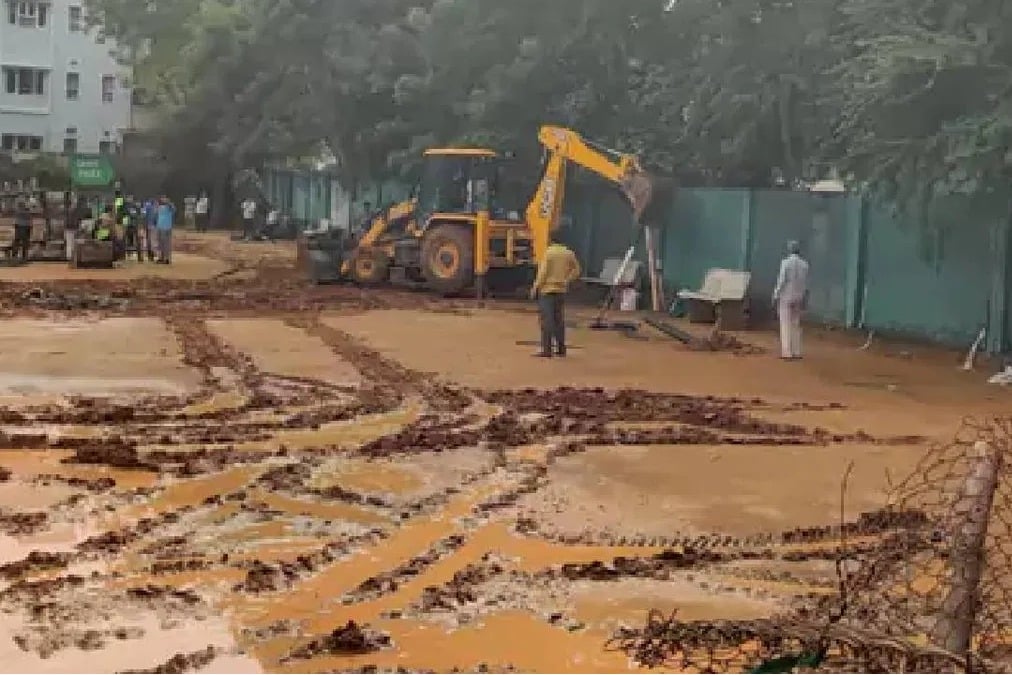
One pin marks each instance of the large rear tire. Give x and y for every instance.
(448, 258)
(370, 268)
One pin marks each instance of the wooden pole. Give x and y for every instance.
(655, 287)
(953, 630)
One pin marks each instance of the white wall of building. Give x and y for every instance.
(58, 45)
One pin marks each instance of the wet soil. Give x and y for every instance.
(227, 468)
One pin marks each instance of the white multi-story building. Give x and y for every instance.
(61, 89)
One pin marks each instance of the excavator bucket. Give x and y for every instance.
(650, 198)
(639, 190)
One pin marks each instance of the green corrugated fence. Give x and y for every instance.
(940, 277)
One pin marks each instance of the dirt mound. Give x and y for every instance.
(350, 640)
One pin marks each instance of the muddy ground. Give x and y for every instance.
(219, 467)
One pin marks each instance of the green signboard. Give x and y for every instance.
(93, 171)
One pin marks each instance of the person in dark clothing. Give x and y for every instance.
(131, 220)
(22, 229)
(78, 214)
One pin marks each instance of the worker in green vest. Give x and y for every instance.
(106, 222)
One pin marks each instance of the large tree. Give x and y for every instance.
(925, 97)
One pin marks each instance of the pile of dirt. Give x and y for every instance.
(114, 541)
(113, 452)
(23, 524)
(462, 589)
(183, 663)
(350, 640)
(37, 561)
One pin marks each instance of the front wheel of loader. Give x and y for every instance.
(370, 268)
(448, 258)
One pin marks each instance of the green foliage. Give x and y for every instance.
(911, 97)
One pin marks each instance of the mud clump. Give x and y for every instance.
(5, 474)
(462, 589)
(37, 561)
(115, 541)
(96, 485)
(115, 452)
(151, 592)
(23, 524)
(287, 478)
(265, 578)
(183, 663)
(350, 640)
(429, 434)
(659, 566)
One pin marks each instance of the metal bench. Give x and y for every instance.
(609, 274)
(722, 289)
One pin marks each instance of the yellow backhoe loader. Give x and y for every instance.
(455, 229)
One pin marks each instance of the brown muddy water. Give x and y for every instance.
(226, 494)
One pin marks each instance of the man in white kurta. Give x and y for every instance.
(790, 299)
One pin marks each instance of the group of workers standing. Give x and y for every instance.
(142, 228)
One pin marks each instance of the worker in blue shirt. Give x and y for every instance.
(164, 221)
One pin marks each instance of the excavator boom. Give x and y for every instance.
(620, 168)
(565, 146)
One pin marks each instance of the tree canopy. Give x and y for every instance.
(910, 97)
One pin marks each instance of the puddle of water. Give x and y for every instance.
(367, 477)
(273, 531)
(222, 401)
(319, 509)
(31, 463)
(528, 453)
(343, 434)
(493, 640)
(190, 493)
(628, 602)
(16, 496)
(62, 539)
(70, 430)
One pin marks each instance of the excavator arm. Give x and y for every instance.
(565, 146)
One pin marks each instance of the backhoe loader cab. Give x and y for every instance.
(456, 181)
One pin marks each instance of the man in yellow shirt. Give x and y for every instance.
(558, 269)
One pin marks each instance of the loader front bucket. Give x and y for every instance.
(320, 256)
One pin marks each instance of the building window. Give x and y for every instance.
(106, 147)
(20, 143)
(25, 81)
(76, 19)
(69, 145)
(108, 88)
(73, 86)
(28, 13)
